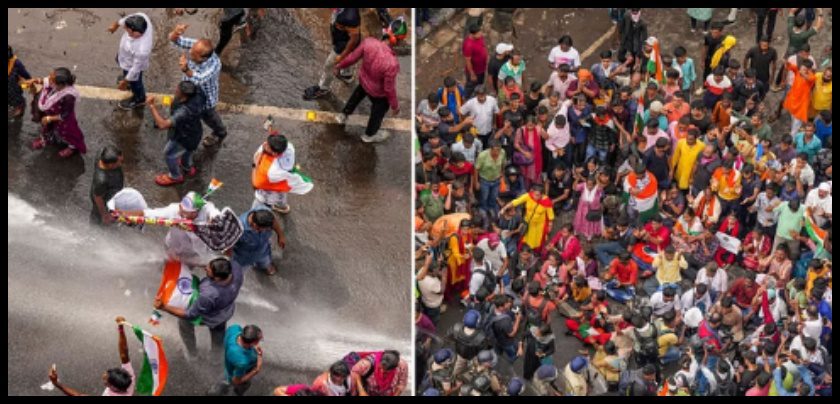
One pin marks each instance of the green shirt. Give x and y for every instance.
(487, 168)
(433, 205)
(797, 39)
(788, 220)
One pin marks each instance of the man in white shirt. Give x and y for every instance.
(483, 108)
(697, 296)
(818, 202)
(715, 278)
(480, 269)
(133, 55)
(182, 245)
(564, 53)
(495, 253)
(431, 281)
(799, 169)
(664, 301)
(469, 146)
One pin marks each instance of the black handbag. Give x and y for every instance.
(594, 215)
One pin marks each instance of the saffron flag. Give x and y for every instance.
(178, 288)
(152, 378)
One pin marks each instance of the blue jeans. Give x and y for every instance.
(176, 157)
(138, 91)
(509, 351)
(488, 192)
(258, 262)
(618, 293)
(607, 251)
(593, 151)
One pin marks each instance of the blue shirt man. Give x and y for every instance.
(254, 247)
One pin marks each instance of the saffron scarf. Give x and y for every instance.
(445, 98)
(727, 44)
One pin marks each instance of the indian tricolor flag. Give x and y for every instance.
(640, 116)
(214, 185)
(178, 288)
(152, 378)
(298, 182)
(816, 234)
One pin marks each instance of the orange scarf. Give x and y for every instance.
(445, 97)
(709, 208)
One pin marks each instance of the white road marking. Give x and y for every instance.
(595, 45)
(324, 117)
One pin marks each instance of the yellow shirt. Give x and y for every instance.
(822, 94)
(683, 161)
(668, 271)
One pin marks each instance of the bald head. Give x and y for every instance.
(201, 51)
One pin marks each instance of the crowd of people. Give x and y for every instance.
(274, 175)
(650, 210)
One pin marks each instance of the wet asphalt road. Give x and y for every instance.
(341, 283)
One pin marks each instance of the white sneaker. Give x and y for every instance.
(378, 137)
(341, 119)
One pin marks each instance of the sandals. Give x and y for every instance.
(165, 180)
(271, 270)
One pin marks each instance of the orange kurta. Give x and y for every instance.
(799, 97)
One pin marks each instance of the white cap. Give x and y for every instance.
(693, 317)
(651, 41)
(503, 47)
(656, 106)
(127, 199)
(825, 187)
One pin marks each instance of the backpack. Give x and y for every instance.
(534, 314)
(489, 332)
(468, 346)
(352, 358)
(725, 387)
(648, 346)
(490, 281)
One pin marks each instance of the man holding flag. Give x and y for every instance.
(214, 306)
(118, 381)
(182, 245)
(274, 174)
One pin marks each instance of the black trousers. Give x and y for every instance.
(762, 15)
(226, 32)
(378, 109)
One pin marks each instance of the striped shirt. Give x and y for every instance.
(206, 74)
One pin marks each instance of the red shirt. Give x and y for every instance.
(378, 74)
(664, 234)
(625, 273)
(475, 50)
(743, 295)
